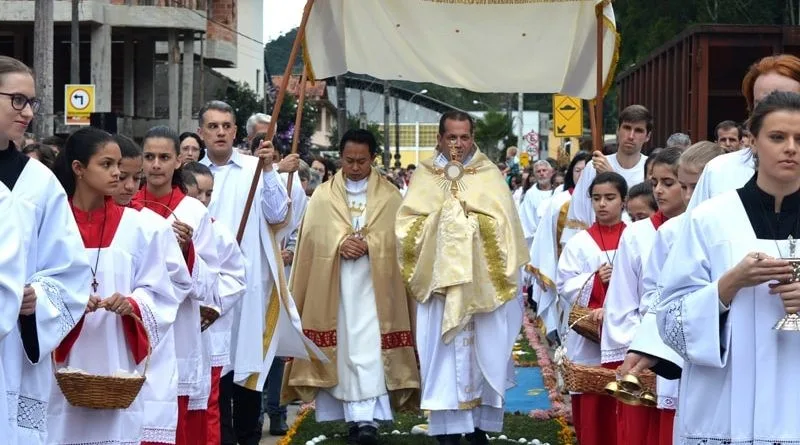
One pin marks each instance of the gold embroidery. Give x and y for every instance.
(410, 248)
(273, 311)
(575, 224)
(497, 265)
(470, 405)
(542, 278)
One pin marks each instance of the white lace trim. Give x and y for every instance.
(198, 404)
(724, 441)
(54, 294)
(673, 326)
(666, 402)
(32, 414)
(150, 324)
(219, 360)
(158, 435)
(614, 355)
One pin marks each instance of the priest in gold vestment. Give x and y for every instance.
(352, 300)
(461, 247)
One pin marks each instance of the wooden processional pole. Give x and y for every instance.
(298, 121)
(275, 112)
(598, 131)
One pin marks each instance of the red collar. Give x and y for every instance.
(163, 205)
(658, 219)
(97, 227)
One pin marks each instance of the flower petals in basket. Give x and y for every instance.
(86, 390)
(583, 324)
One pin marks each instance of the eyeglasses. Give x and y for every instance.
(19, 101)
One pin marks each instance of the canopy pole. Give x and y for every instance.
(598, 131)
(298, 121)
(275, 112)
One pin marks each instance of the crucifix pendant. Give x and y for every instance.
(94, 285)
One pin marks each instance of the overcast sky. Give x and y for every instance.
(281, 16)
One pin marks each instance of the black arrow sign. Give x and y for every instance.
(561, 129)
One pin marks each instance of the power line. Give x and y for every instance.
(175, 3)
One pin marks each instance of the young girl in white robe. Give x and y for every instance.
(647, 350)
(546, 249)
(127, 279)
(724, 293)
(164, 193)
(217, 338)
(625, 305)
(160, 392)
(584, 271)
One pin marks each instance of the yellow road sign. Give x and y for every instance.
(78, 104)
(524, 159)
(567, 116)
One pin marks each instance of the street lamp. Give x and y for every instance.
(423, 92)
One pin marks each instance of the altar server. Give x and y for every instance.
(625, 305)
(723, 296)
(164, 193)
(128, 278)
(584, 271)
(160, 391)
(217, 338)
(57, 275)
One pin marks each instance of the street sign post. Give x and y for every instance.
(567, 116)
(78, 104)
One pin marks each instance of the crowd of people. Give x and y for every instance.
(237, 280)
(683, 262)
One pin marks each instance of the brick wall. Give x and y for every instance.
(223, 12)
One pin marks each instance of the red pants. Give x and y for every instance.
(191, 424)
(595, 419)
(213, 434)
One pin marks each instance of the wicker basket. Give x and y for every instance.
(208, 315)
(101, 392)
(579, 319)
(584, 325)
(592, 379)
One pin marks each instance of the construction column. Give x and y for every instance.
(101, 67)
(187, 84)
(173, 83)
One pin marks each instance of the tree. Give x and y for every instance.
(245, 103)
(285, 129)
(491, 129)
(353, 122)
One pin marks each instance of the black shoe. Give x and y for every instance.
(449, 439)
(367, 435)
(277, 426)
(352, 434)
(478, 437)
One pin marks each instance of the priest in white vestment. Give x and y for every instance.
(462, 248)
(723, 297)
(346, 264)
(269, 221)
(635, 128)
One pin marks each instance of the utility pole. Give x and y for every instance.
(43, 65)
(397, 163)
(75, 44)
(387, 145)
(520, 122)
(341, 106)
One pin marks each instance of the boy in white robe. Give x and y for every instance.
(635, 128)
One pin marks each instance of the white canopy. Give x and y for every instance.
(513, 46)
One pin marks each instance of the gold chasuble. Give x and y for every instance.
(460, 240)
(315, 286)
